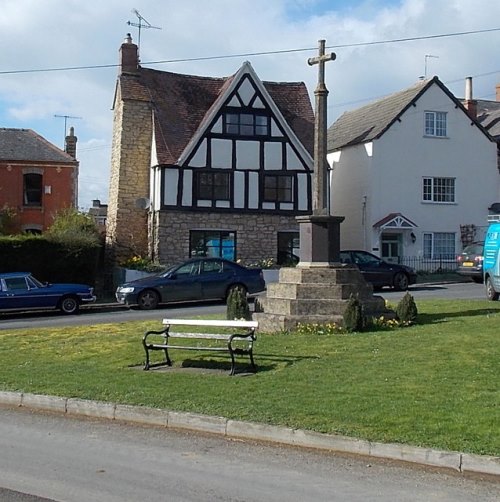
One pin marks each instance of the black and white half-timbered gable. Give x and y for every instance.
(230, 162)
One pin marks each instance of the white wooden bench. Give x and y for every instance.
(238, 342)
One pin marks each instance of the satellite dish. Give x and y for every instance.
(143, 203)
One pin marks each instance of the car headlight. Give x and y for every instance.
(128, 289)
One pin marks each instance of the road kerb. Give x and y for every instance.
(42, 402)
(142, 415)
(415, 454)
(11, 398)
(480, 465)
(90, 408)
(193, 421)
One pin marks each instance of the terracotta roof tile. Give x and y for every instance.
(181, 103)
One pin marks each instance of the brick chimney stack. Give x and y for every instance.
(470, 104)
(498, 92)
(70, 143)
(129, 56)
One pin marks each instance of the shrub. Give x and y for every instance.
(73, 227)
(353, 315)
(141, 263)
(237, 305)
(7, 221)
(406, 309)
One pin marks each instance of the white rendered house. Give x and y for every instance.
(413, 174)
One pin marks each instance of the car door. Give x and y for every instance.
(215, 277)
(17, 294)
(182, 284)
(372, 268)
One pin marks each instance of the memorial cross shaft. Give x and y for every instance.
(320, 201)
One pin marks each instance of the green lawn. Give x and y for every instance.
(435, 384)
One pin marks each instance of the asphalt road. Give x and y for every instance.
(116, 313)
(74, 460)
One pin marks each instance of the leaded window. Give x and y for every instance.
(441, 190)
(278, 188)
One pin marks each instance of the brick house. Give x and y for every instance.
(207, 166)
(37, 179)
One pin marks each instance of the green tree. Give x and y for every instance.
(73, 226)
(7, 220)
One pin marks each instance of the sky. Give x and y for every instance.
(59, 59)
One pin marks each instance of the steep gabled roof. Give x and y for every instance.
(372, 121)
(182, 103)
(27, 145)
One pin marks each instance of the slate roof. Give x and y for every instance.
(26, 145)
(371, 121)
(488, 115)
(181, 103)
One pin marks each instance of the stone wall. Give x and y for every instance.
(126, 231)
(256, 234)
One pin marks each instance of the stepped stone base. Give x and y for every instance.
(315, 295)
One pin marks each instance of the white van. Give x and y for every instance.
(491, 263)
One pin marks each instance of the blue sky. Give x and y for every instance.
(68, 33)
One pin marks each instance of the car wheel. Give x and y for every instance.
(232, 288)
(400, 281)
(491, 294)
(148, 300)
(69, 305)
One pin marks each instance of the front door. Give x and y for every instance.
(391, 247)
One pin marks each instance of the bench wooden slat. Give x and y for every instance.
(221, 323)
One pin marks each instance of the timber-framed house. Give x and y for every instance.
(208, 166)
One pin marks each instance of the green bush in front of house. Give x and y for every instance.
(48, 260)
(68, 252)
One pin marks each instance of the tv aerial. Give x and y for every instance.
(66, 117)
(143, 23)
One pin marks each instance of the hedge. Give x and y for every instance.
(50, 260)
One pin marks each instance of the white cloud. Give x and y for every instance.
(57, 33)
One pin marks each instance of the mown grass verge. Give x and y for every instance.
(435, 384)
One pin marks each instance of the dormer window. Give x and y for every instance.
(246, 124)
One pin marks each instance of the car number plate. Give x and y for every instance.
(468, 264)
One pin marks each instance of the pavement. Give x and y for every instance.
(465, 463)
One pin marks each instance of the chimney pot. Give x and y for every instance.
(470, 104)
(468, 88)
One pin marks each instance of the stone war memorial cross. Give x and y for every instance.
(318, 289)
(320, 232)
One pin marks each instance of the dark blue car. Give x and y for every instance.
(21, 291)
(195, 280)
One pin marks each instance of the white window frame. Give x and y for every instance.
(438, 190)
(435, 124)
(439, 245)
